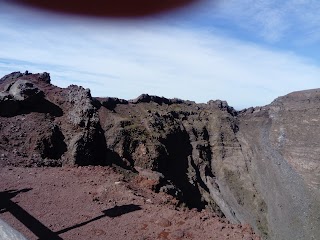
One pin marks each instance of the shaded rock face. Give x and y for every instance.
(198, 149)
(87, 145)
(258, 166)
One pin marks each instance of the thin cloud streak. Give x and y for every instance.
(274, 20)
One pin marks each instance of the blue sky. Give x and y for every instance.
(246, 52)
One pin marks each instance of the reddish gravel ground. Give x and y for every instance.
(97, 203)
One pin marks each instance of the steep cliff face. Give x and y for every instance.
(258, 166)
(283, 142)
(176, 139)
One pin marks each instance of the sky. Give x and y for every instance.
(245, 52)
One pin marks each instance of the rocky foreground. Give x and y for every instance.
(258, 166)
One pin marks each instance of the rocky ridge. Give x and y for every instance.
(258, 166)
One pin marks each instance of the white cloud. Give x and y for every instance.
(127, 60)
(274, 20)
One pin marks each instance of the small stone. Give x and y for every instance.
(163, 222)
(177, 234)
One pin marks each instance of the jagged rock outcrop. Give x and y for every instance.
(48, 125)
(258, 166)
(87, 145)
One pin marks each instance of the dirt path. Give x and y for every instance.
(95, 203)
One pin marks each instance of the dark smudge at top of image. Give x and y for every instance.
(108, 8)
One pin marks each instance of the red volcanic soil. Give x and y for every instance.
(98, 203)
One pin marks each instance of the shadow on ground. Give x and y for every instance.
(38, 228)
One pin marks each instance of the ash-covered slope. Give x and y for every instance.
(258, 166)
(281, 142)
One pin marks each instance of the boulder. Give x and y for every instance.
(23, 90)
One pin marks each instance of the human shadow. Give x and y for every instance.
(38, 228)
(112, 212)
(33, 224)
(121, 210)
(7, 195)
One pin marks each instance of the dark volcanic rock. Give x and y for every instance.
(223, 105)
(11, 76)
(45, 77)
(51, 145)
(258, 166)
(145, 98)
(111, 102)
(87, 145)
